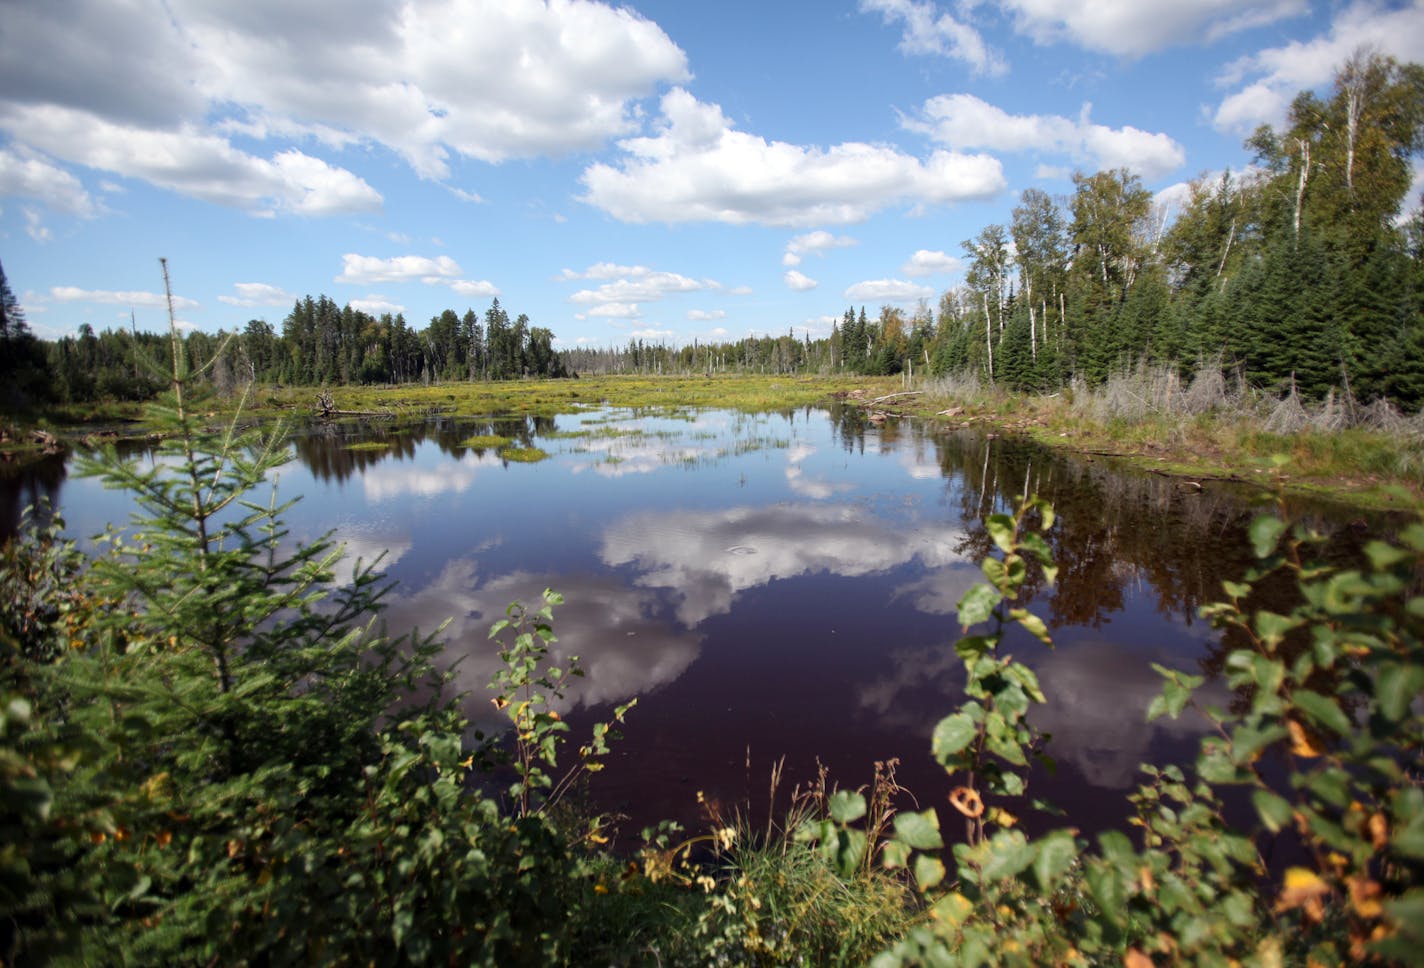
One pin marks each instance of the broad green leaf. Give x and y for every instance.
(846, 806)
(977, 604)
(1322, 709)
(1383, 555)
(1396, 688)
(1036, 546)
(1408, 838)
(1117, 849)
(929, 871)
(953, 909)
(973, 646)
(919, 830)
(1109, 890)
(1272, 628)
(894, 854)
(952, 735)
(850, 851)
(1275, 811)
(1009, 855)
(1265, 532)
(1001, 529)
(1032, 623)
(1056, 853)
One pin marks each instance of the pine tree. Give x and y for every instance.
(223, 756)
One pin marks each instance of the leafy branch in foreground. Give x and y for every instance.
(1327, 745)
(525, 686)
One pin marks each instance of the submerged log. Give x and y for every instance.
(49, 443)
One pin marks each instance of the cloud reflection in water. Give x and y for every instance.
(706, 558)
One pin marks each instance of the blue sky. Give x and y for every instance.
(666, 170)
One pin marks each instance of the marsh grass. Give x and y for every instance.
(669, 397)
(523, 455)
(370, 445)
(1211, 423)
(486, 442)
(755, 892)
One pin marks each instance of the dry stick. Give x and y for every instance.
(891, 396)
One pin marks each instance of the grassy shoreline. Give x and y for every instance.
(1369, 468)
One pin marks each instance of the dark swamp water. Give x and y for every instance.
(779, 585)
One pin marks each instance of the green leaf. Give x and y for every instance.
(1056, 853)
(953, 909)
(1009, 855)
(973, 646)
(952, 735)
(919, 830)
(1109, 890)
(929, 871)
(1235, 589)
(1001, 529)
(1275, 811)
(1322, 709)
(1117, 849)
(894, 854)
(1383, 555)
(977, 604)
(1265, 532)
(1408, 837)
(1036, 546)
(1396, 688)
(846, 806)
(850, 854)
(1032, 623)
(1272, 628)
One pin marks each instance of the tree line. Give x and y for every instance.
(1297, 272)
(320, 343)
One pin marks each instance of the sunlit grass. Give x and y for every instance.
(486, 442)
(371, 445)
(523, 455)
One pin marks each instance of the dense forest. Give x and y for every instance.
(1298, 272)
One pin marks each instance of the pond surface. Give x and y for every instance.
(772, 586)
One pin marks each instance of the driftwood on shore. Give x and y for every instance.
(327, 408)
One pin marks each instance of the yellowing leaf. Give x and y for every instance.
(1303, 889)
(1304, 743)
(1136, 959)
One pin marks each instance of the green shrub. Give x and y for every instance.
(1330, 693)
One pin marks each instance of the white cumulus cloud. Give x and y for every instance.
(1133, 28)
(192, 162)
(258, 294)
(148, 300)
(376, 305)
(927, 263)
(888, 291)
(799, 281)
(157, 91)
(1271, 78)
(643, 287)
(965, 121)
(369, 269)
(929, 31)
(29, 175)
(481, 288)
(815, 242)
(699, 168)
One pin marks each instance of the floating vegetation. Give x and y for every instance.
(523, 455)
(486, 441)
(372, 445)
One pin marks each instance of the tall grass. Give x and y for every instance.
(1152, 407)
